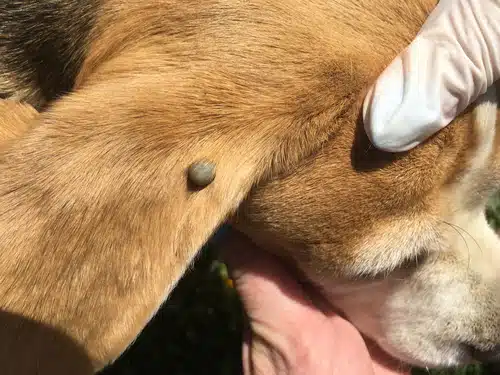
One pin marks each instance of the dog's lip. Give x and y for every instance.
(391, 352)
(463, 356)
(384, 358)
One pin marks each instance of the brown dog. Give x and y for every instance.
(98, 222)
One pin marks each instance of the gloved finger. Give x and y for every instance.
(452, 61)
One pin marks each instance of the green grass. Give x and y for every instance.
(198, 331)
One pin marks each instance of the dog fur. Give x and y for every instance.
(98, 223)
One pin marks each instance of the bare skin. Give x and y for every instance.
(289, 334)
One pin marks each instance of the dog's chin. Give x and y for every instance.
(430, 355)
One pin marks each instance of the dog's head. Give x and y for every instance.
(399, 243)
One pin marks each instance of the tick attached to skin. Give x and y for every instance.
(201, 173)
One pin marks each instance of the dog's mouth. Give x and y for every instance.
(383, 359)
(435, 352)
(445, 356)
(457, 355)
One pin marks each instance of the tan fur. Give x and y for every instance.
(97, 221)
(15, 120)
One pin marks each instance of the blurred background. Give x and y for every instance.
(198, 330)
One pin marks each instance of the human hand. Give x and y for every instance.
(452, 61)
(288, 334)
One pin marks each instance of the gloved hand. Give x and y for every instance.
(452, 61)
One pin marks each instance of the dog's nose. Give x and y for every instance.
(487, 356)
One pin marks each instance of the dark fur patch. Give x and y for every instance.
(42, 45)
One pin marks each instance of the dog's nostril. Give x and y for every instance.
(485, 356)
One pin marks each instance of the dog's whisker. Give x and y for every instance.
(458, 229)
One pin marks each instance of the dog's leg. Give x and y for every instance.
(56, 352)
(97, 219)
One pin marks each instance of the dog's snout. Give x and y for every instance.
(486, 356)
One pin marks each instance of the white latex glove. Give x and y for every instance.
(452, 61)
